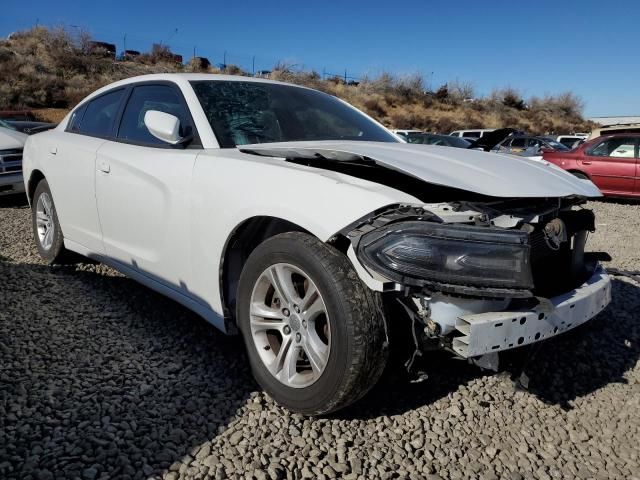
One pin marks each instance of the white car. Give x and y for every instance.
(471, 134)
(287, 215)
(572, 140)
(11, 145)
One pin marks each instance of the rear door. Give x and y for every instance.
(143, 188)
(72, 154)
(611, 164)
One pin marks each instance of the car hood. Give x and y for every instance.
(491, 174)
(10, 139)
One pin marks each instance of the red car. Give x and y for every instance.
(610, 161)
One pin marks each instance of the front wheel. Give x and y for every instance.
(314, 334)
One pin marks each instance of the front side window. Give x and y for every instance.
(162, 98)
(620, 147)
(100, 114)
(76, 118)
(243, 113)
(471, 134)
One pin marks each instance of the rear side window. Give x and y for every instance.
(100, 114)
(620, 147)
(161, 98)
(518, 143)
(471, 134)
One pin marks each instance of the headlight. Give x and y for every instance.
(454, 254)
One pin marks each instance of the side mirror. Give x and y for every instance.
(164, 126)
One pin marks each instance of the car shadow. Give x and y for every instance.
(12, 201)
(596, 354)
(98, 372)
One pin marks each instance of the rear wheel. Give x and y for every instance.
(46, 227)
(314, 335)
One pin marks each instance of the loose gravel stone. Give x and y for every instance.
(102, 378)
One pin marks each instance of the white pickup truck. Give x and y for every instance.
(11, 145)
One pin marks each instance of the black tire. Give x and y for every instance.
(358, 341)
(580, 175)
(56, 253)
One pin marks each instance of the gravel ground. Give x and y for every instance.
(102, 378)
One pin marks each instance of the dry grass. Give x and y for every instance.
(53, 115)
(50, 71)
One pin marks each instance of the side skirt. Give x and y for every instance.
(204, 311)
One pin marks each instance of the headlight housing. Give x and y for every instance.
(451, 254)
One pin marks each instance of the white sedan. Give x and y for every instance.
(287, 215)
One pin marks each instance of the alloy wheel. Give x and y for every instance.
(289, 325)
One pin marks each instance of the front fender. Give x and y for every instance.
(229, 187)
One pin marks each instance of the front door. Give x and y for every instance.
(143, 190)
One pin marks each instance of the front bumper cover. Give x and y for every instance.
(11, 183)
(496, 331)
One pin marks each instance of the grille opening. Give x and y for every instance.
(10, 162)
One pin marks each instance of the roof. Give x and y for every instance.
(184, 78)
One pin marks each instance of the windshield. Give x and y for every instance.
(557, 145)
(243, 113)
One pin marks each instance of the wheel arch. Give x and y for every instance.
(575, 171)
(35, 178)
(244, 238)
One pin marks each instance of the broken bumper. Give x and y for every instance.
(495, 331)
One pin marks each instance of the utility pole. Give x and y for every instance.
(345, 75)
(253, 65)
(124, 46)
(194, 51)
(224, 59)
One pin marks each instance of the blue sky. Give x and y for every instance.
(588, 47)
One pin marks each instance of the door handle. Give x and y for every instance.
(586, 162)
(104, 166)
(53, 150)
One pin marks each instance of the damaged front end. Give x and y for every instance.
(481, 277)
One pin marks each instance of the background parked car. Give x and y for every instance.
(471, 134)
(492, 138)
(609, 161)
(26, 115)
(31, 127)
(528, 146)
(572, 140)
(436, 139)
(11, 146)
(403, 133)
